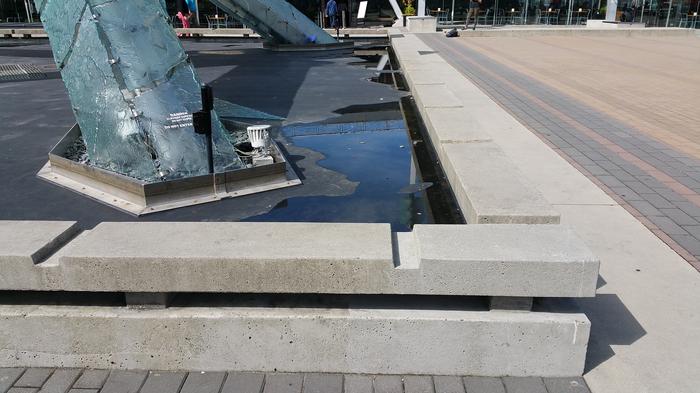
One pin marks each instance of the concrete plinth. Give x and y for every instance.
(422, 24)
(466, 260)
(383, 341)
(601, 24)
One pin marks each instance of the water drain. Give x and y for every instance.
(20, 72)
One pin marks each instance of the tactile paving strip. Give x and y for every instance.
(20, 72)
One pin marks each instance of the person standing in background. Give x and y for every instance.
(332, 14)
(473, 10)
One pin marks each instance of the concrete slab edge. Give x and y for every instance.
(466, 260)
(296, 340)
(488, 186)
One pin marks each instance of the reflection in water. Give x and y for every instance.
(375, 154)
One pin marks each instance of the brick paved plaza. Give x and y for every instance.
(46, 380)
(623, 110)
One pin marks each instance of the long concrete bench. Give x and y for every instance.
(391, 341)
(483, 260)
(488, 186)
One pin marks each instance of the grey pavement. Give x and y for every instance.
(43, 380)
(654, 181)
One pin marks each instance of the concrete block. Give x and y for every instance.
(388, 384)
(484, 385)
(323, 383)
(435, 96)
(566, 385)
(422, 24)
(242, 382)
(501, 258)
(123, 381)
(524, 385)
(203, 382)
(164, 382)
(26, 243)
(418, 384)
(8, 376)
(601, 24)
(490, 189)
(61, 380)
(34, 378)
(283, 383)
(384, 341)
(453, 125)
(448, 384)
(91, 379)
(358, 384)
(148, 260)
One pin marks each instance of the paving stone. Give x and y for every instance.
(639, 187)
(8, 376)
(91, 379)
(33, 378)
(566, 385)
(283, 383)
(323, 383)
(690, 243)
(120, 381)
(484, 385)
(679, 217)
(595, 170)
(239, 382)
(61, 380)
(23, 390)
(524, 385)
(657, 201)
(418, 384)
(388, 384)
(84, 391)
(688, 182)
(163, 382)
(622, 175)
(693, 230)
(610, 181)
(650, 181)
(645, 208)
(204, 382)
(667, 225)
(448, 384)
(670, 195)
(689, 208)
(358, 384)
(626, 193)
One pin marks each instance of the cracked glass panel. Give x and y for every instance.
(132, 88)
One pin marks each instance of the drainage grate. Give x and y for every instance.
(20, 72)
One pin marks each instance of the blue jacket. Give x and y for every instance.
(331, 8)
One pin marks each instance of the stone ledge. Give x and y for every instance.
(490, 189)
(305, 340)
(488, 186)
(483, 260)
(26, 243)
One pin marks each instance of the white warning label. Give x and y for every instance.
(178, 120)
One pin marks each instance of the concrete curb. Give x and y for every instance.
(293, 340)
(464, 260)
(488, 186)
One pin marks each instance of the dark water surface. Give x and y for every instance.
(345, 135)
